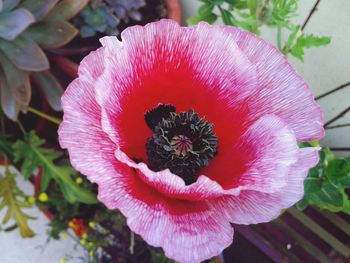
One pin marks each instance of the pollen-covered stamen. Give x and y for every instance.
(181, 144)
(184, 143)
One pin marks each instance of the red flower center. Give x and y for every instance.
(183, 143)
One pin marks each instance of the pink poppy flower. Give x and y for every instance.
(188, 129)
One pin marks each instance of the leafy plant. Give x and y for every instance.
(104, 16)
(33, 156)
(326, 184)
(252, 14)
(26, 28)
(12, 198)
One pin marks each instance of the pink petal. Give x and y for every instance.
(254, 206)
(90, 149)
(260, 159)
(173, 186)
(188, 231)
(282, 91)
(165, 63)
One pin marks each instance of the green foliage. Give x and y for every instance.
(12, 198)
(31, 153)
(326, 183)
(26, 28)
(104, 16)
(252, 14)
(298, 44)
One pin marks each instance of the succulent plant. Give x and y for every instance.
(104, 16)
(27, 27)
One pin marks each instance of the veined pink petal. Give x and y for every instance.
(90, 149)
(162, 62)
(260, 159)
(252, 207)
(259, 106)
(282, 91)
(188, 231)
(172, 186)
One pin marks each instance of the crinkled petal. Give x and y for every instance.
(173, 186)
(174, 225)
(281, 90)
(90, 149)
(261, 158)
(165, 63)
(188, 231)
(252, 207)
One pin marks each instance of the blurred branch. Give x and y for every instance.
(333, 90)
(341, 114)
(338, 126)
(339, 149)
(314, 8)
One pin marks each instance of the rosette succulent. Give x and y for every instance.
(187, 130)
(27, 28)
(104, 16)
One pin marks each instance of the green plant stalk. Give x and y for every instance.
(44, 116)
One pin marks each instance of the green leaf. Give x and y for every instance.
(292, 39)
(227, 17)
(52, 34)
(206, 9)
(6, 146)
(32, 155)
(14, 200)
(39, 8)
(25, 54)
(51, 87)
(329, 195)
(307, 41)
(337, 169)
(196, 19)
(66, 9)
(14, 23)
(252, 5)
(312, 182)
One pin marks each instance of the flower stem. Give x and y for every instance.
(21, 127)
(44, 116)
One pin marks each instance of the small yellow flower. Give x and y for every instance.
(79, 180)
(92, 225)
(64, 234)
(43, 197)
(83, 242)
(90, 244)
(91, 253)
(84, 236)
(63, 260)
(31, 199)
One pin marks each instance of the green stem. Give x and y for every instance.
(44, 116)
(279, 37)
(21, 127)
